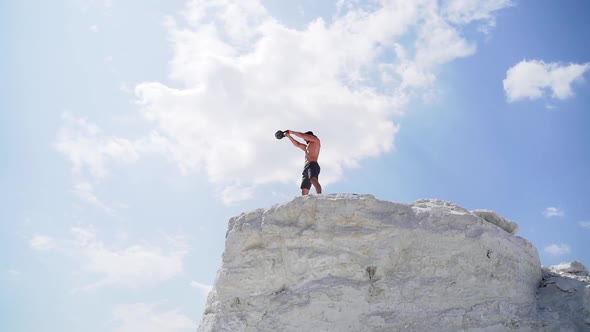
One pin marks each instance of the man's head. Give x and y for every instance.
(308, 133)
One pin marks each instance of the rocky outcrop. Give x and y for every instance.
(355, 263)
(564, 297)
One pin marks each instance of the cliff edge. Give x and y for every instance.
(354, 263)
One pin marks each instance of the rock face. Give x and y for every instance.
(355, 263)
(564, 297)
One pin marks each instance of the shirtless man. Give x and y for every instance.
(311, 171)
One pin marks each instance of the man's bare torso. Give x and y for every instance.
(312, 152)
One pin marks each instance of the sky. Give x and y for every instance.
(131, 131)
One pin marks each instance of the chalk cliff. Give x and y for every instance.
(355, 263)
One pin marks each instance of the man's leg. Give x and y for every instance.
(316, 185)
(305, 185)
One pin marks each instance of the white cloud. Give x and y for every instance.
(92, 154)
(584, 224)
(205, 289)
(42, 242)
(553, 212)
(85, 191)
(124, 87)
(239, 75)
(94, 28)
(467, 11)
(87, 148)
(558, 249)
(234, 193)
(131, 266)
(146, 318)
(531, 79)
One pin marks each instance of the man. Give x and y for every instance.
(311, 171)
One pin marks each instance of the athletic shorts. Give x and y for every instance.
(311, 170)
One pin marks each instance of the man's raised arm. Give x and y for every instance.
(308, 138)
(294, 141)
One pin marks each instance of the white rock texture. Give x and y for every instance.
(355, 263)
(494, 218)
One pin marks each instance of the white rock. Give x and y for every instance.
(575, 268)
(355, 263)
(494, 218)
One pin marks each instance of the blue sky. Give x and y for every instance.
(131, 131)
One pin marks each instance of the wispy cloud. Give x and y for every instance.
(92, 154)
(13, 274)
(550, 107)
(235, 193)
(94, 28)
(42, 242)
(128, 266)
(531, 79)
(148, 318)
(558, 249)
(584, 224)
(85, 191)
(553, 212)
(84, 145)
(205, 289)
(464, 12)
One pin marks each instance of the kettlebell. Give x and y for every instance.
(280, 134)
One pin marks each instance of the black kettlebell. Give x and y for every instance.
(280, 134)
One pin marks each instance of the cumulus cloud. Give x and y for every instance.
(532, 79)
(558, 249)
(238, 75)
(147, 318)
(553, 212)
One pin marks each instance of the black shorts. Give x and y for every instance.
(311, 170)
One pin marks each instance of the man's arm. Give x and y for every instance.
(294, 141)
(309, 138)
